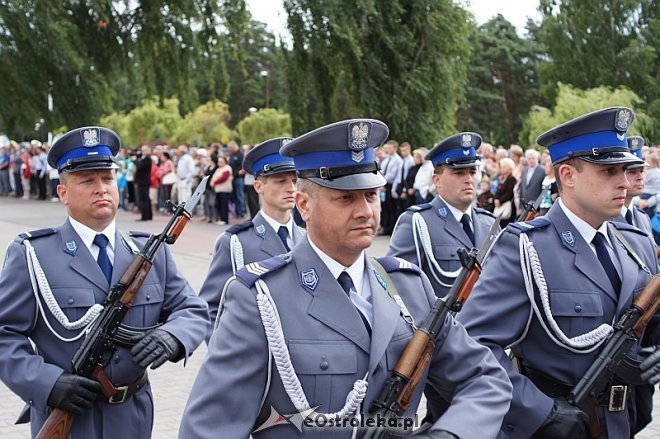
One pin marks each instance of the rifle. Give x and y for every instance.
(627, 331)
(532, 209)
(100, 338)
(396, 396)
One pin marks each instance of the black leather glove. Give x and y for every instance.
(435, 434)
(564, 421)
(155, 348)
(74, 393)
(650, 367)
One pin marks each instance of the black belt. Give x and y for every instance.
(613, 396)
(123, 393)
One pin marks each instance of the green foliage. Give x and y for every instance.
(399, 61)
(263, 125)
(206, 124)
(502, 83)
(572, 102)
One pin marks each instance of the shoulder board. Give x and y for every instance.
(419, 207)
(481, 211)
(250, 273)
(526, 226)
(627, 227)
(34, 234)
(391, 264)
(239, 227)
(136, 234)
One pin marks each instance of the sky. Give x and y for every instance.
(272, 13)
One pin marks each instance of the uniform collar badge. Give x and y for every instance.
(71, 247)
(568, 237)
(309, 278)
(442, 212)
(380, 280)
(260, 229)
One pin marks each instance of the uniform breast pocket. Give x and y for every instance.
(395, 349)
(74, 301)
(577, 312)
(447, 256)
(147, 306)
(326, 370)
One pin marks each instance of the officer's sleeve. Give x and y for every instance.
(21, 369)
(224, 400)
(187, 316)
(219, 272)
(402, 243)
(496, 315)
(480, 387)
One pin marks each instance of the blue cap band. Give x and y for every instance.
(271, 160)
(453, 154)
(315, 160)
(602, 139)
(91, 152)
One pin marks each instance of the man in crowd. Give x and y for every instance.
(143, 182)
(429, 235)
(390, 166)
(326, 313)
(185, 172)
(529, 187)
(76, 264)
(575, 261)
(235, 160)
(270, 233)
(400, 188)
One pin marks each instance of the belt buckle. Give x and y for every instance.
(618, 396)
(120, 396)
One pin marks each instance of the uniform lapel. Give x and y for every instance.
(330, 305)
(82, 261)
(629, 270)
(270, 242)
(452, 226)
(386, 314)
(480, 229)
(123, 257)
(585, 259)
(298, 234)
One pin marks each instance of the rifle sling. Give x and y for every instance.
(394, 294)
(629, 249)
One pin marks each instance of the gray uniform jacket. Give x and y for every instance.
(259, 242)
(330, 348)
(447, 236)
(641, 220)
(581, 298)
(77, 283)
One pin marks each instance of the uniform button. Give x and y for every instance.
(324, 364)
(30, 402)
(578, 308)
(509, 426)
(148, 296)
(70, 301)
(116, 359)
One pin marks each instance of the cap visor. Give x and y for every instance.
(613, 158)
(90, 166)
(353, 182)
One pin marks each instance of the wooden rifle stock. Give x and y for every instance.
(58, 425)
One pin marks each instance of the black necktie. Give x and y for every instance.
(283, 233)
(347, 284)
(629, 217)
(465, 220)
(103, 260)
(605, 260)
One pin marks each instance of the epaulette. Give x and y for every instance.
(481, 211)
(136, 234)
(250, 273)
(526, 226)
(34, 234)
(232, 230)
(627, 227)
(419, 207)
(391, 264)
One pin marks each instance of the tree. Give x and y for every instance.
(206, 124)
(572, 102)
(399, 61)
(502, 83)
(263, 125)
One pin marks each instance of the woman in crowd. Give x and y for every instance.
(221, 182)
(504, 193)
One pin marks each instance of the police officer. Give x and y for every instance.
(552, 287)
(270, 233)
(636, 173)
(52, 283)
(299, 332)
(429, 235)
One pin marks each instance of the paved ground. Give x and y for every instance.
(172, 382)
